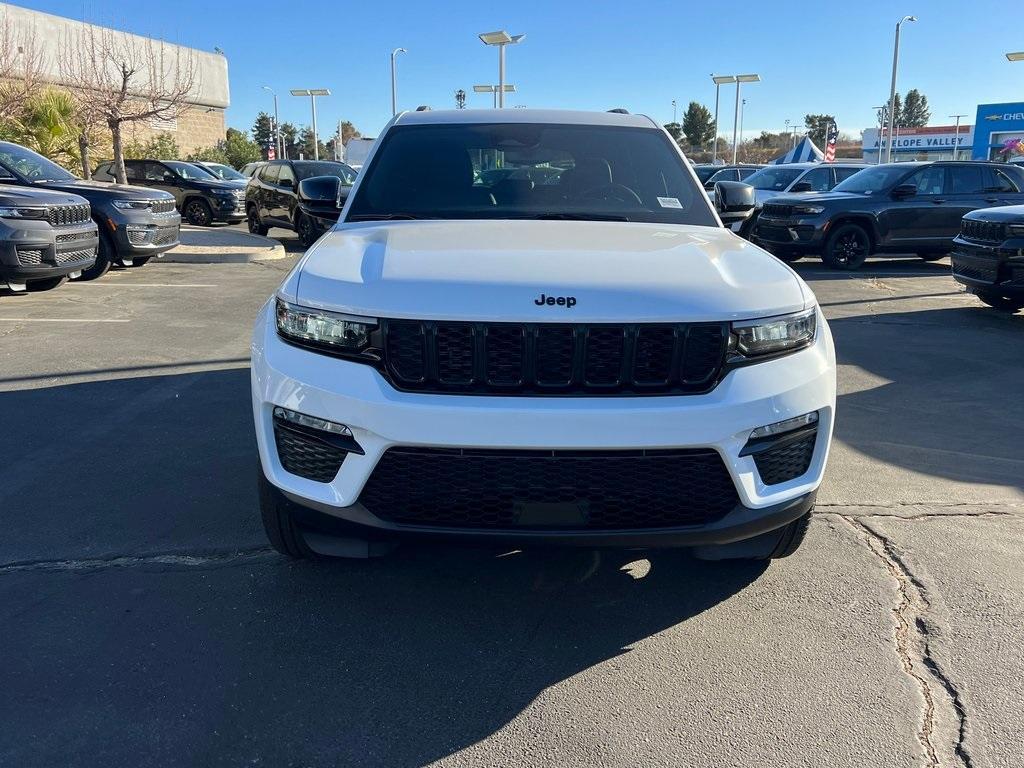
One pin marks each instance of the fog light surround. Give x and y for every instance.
(311, 422)
(787, 425)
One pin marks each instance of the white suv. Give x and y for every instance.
(531, 327)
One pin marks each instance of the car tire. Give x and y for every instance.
(931, 256)
(306, 230)
(140, 261)
(105, 256)
(37, 286)
(282, 531)
(773, 545)
(848, 247)
(256, 227)
(1000, 301)
(198, 213)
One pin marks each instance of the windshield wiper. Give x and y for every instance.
(385, 217)
(578, 217)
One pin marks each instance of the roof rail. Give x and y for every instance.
(619, 111)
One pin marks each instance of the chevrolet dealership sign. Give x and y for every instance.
(932, 138)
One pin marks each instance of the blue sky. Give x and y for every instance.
(592, 54)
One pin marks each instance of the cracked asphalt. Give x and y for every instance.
(143, 620)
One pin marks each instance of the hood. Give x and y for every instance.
(498, 270)
(17, 195)
(220, 183)
(1003, 213)
(760, 195)
(101, 190)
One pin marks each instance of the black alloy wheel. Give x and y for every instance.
(848, 247)
(198, 213)
(256, 227)
(306, 230)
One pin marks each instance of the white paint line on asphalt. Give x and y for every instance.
(147, 285)
(59, 320)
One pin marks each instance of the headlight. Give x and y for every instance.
(329, 329)
(809, 210)
(132, 205)
(33, 212)
(772, 335)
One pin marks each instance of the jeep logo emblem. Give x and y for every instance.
(561, 301)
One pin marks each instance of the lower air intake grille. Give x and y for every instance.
(306, 456)
(30, 256)
(786, 462)
(549, 359)
(586, 490)
(70, 257)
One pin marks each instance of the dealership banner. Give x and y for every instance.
(932, 138)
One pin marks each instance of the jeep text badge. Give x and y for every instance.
(561, 301)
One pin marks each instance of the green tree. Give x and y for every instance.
(817, 127)
(698, 125)
(162, 146)
(290, 139)
(675, 130)
(45, 122)
(915, 112)
(239, 149)
(263, 130)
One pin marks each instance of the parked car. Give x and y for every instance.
(705, 171)
(597, 362)
(730, 173)
(250, 168)
(201, 197)
(221, 171)
(987, 256)
(135, 223)
(887, 209)
(45, 238)
(272, 198)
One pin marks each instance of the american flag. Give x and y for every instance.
(831, 137)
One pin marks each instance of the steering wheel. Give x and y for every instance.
(613, 191)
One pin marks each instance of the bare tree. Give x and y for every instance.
(21, 66)
(126, 79)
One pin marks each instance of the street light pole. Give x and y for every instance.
(956, 136)
(277, 124)
(892, 86)
(500, 38)
(743, 108)
(674, 120)
(394, 81)
(313, 93)
(719, 81)
(740, 79)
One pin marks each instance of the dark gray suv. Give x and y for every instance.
(45, 238)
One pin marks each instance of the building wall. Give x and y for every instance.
(196, 128)
(995, 125)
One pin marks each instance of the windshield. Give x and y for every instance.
(548, 171)
(222, 171)
(189, 171)
(777, 179)
(872, 180)
(309, 168)
(30, 165)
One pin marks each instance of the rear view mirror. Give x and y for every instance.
(904, 190)
(734, 201)
(802, 186)
(323, 190)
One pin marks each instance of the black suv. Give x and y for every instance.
(272, 198)
(201, 197)
(45, 237)
(893, 208)
(988, 256)
(135, 223)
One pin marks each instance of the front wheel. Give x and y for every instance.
(198, 213)
(256, 227)
(848, 247)
(105, 256)
(306, 230)
(773, 545)
(138, 261)
(1000, 301)
(279, 523)
(48, 284)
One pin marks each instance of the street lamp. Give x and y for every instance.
(740, 79)
(277, 124)
(743, 108)
(313, 93)
(495, 90)
(500, 39)
(956, 139)
(674, 112)
(892, 87)
(394, 81)
(719, 81)
(1015, 56)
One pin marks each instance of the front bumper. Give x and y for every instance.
(231, 209)
(34, 250)
(142, 233)
(381, 417)
(794, 235)
(995, 267)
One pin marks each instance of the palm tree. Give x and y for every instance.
(47, 124)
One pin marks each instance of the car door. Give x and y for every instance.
(285, 194)
(968, 190)
(820, 179)
(918, 220)
(267, 179)
(160, 176)
(1000, 189)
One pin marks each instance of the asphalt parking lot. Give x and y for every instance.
(144, 621)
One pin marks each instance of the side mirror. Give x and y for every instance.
(322, 190)
(802, 186)
(734, 201)
(286, 183)
(901, 191)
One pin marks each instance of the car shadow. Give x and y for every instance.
(811, 267)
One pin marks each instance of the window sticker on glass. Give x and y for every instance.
(669, 202)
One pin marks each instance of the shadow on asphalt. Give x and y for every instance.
(811, 267)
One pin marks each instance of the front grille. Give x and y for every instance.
(982, 231)
(533, 359)
(165, 236)
(70, 257)
(777, 210)
(776, 234)
(30, 257)
(63, 215)
(70, 237)
(162, 206)
(306, 456)
(787, 462)
(976, 265)
(584, 490)
(161, 236)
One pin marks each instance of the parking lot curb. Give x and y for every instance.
(201, 245)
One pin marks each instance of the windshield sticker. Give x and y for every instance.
(669, 202)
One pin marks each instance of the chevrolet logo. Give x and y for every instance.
(993, 118)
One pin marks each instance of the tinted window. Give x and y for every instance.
(1000, 182)
(776, 178)
(930, 180)
(744, 172)
(285, 175)
(704, 172)
(268, 173)
(190, 171)
(842, 174)
(435, 172)
(309, 169)
(154, 172)
(726, 175)
(871, 181)
(30, 165)
(820, 179)
(966, 179)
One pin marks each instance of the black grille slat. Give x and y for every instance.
(65, 215)
(539, 359)
(777, 210)
(787, 462)
(306, 456)
(983, 231)
(493, 489)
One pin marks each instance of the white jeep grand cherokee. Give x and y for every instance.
(530, 327)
